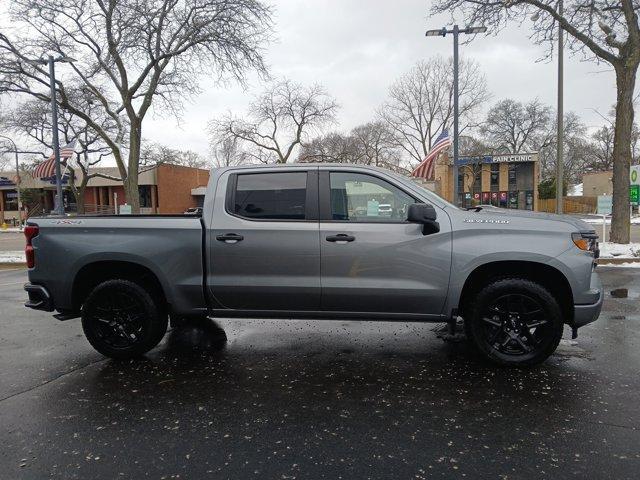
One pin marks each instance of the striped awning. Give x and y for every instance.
(47, 169)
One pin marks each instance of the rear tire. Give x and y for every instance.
(121, 320)
(514, 322)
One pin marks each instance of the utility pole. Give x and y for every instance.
(456, 31)
(59, 204)
(50, 61)
(560, 122)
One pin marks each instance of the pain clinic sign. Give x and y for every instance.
(501, 158)
(634, 175)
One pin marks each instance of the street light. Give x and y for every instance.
(51, 60)
(456, 31)
(560, 134)
(15, 151)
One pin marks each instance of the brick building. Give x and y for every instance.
(165, 188)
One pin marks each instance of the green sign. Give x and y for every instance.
(634, 194)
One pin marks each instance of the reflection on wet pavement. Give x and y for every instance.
(324, 399)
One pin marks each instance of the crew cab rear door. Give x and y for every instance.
(372, 259)
(263, 243)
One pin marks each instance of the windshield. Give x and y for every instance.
(424, 191)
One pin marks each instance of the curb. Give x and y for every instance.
(4, 265)
(616, 261)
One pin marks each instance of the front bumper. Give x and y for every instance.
(39, 298)
(587, 313)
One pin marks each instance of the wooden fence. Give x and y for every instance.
(569, 205)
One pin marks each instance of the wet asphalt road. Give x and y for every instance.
(298, 399)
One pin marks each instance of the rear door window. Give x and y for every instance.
(271, 196)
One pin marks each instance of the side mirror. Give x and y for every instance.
(426, 215)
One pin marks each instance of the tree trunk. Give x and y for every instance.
(131, 192)
(625, 82)
(80, 210)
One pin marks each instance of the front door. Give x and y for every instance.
(372, 259)
(263, 243)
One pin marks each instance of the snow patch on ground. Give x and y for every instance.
(622, 265)
(12, 257)
(618, 250)
(597, 219)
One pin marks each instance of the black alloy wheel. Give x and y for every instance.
(514, 322)
(121, 319)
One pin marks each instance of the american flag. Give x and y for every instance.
(427, 168)
(47, 169)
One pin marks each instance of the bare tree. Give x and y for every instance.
(142, 53)
(278, 121)
(471, 146)
(420, 103)
(5, 160)
(606, 30)
(153, 154)
(576, 149)
(377, 144)
(513, 127)
(600, 158)
(32, 120)
(333, 148)
(471, 175)
(227, 153)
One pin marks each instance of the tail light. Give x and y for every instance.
(30, 232)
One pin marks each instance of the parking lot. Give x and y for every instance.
(326, 399)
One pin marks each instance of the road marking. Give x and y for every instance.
(14, 283)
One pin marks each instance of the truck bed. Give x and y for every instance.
(169, 246)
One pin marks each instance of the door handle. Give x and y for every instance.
(341, 237)
(230, 238)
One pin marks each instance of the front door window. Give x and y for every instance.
(357, 197)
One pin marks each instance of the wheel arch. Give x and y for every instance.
(546, 275)
(92, 274)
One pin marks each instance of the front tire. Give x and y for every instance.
(121, 320)
(514, 322)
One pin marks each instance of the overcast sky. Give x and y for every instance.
(356, 48)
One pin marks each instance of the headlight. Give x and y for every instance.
(587, 241)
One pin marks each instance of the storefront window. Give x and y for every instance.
(513, 199)
(495, 176)
(529, 200)
(504, 196)
(513, 179)
(10, 200)
(145, 196)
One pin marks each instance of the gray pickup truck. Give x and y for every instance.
(311, 241)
